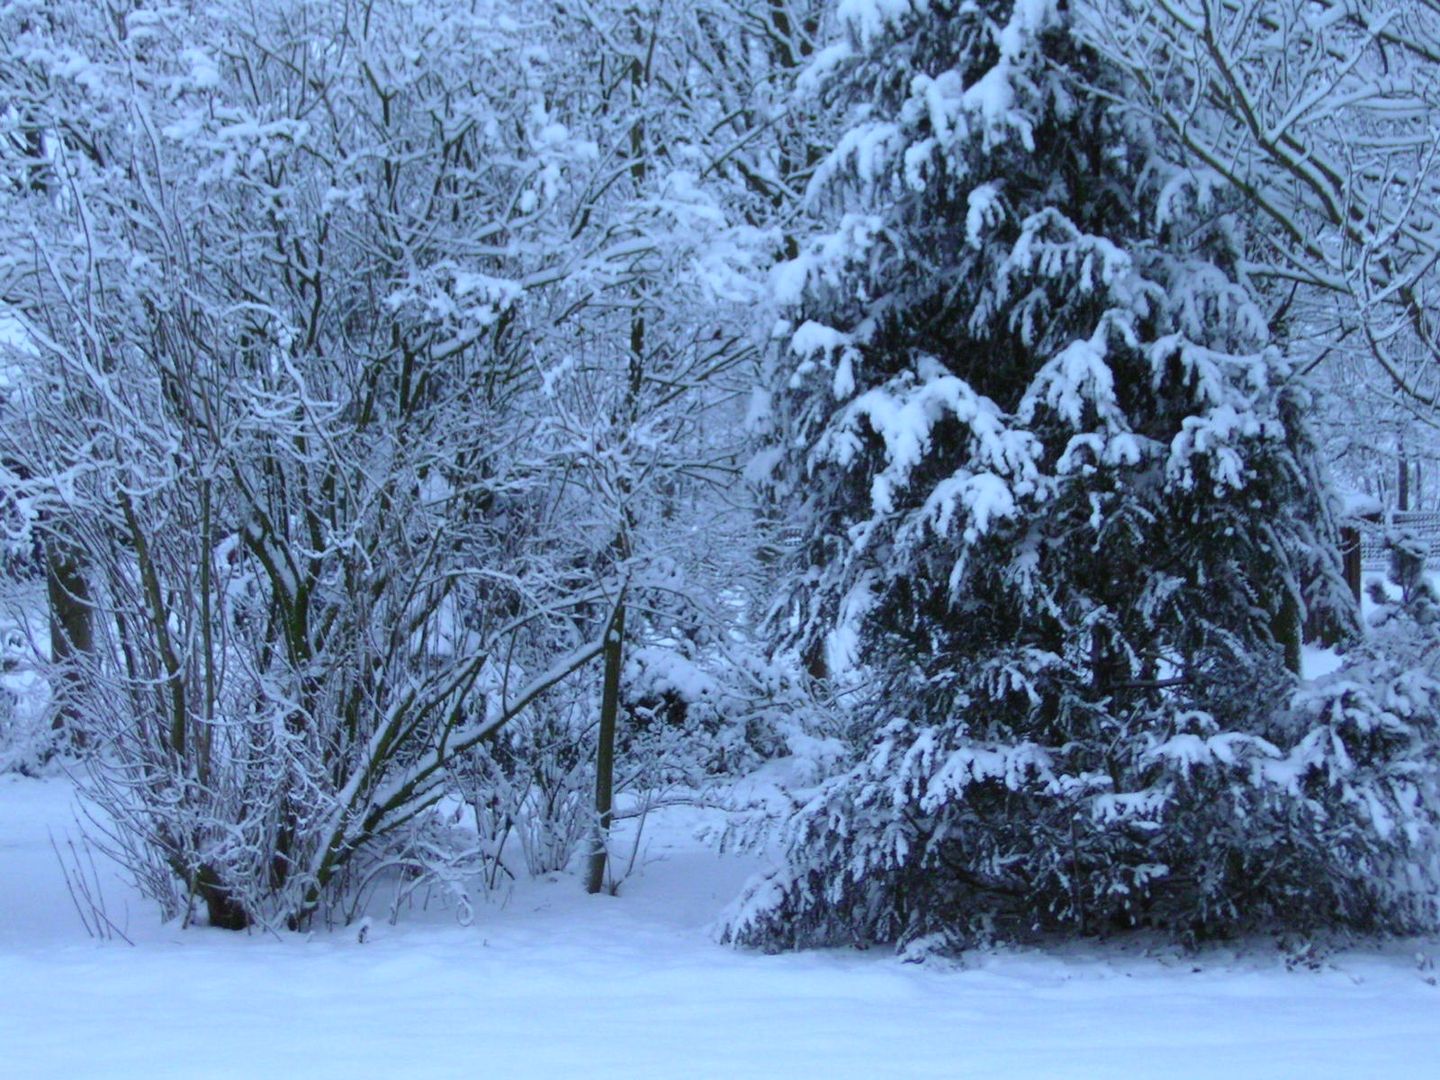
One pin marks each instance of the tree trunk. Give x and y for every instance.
(605, 753)
(1286, 628)
(71, 634)
(222, 910)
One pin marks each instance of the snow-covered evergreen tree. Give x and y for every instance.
(1061, 519)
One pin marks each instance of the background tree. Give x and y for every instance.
(1320, 117)
(653, 346)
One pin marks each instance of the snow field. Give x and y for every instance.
(552, 983)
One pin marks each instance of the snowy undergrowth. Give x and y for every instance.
(550, 982)
(25, 733)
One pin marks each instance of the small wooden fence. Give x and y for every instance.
(1424, 525)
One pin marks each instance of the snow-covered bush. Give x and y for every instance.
(690, 720)
(1365, 742)
(1060, 511)
(28, 741)
(18, 751)
(271, 263)
(378, 351)
(530, 791)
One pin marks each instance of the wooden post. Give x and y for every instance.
(1350, 555)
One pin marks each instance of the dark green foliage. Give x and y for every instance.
(1062, 515)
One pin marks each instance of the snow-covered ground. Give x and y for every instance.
(553, 983)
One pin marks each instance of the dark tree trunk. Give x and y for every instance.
(71, 634)
(1287, 630)
(605, 753)
(220, 907)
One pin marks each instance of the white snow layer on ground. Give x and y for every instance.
(553, 983)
